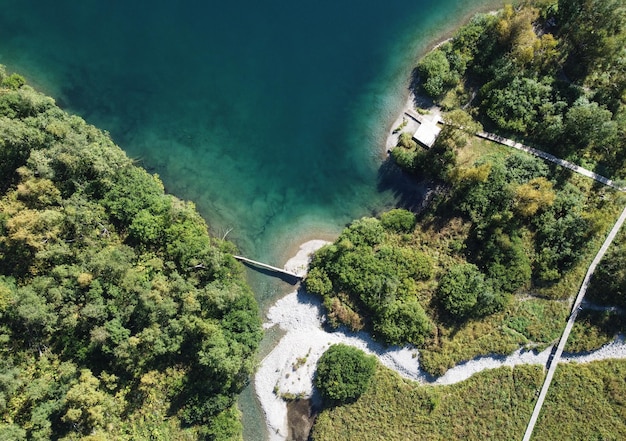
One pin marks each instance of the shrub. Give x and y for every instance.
(398, 220)
(317, 282)
(404, 322)
(436, 74)
(13, 81)
(404, 158)
(344, 373)
(464, 292)
(366, 231)
(340, 312)
(406, 140)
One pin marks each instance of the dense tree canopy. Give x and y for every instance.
(526, 229)
(524, 224)
(593, 36)
(554, 73)
(464, 291)
(118, 313)
(365, 274)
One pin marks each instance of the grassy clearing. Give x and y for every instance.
(530, 322)
(585, 402)
(491, 405)
(478, 147)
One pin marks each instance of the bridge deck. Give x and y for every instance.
(267, 267)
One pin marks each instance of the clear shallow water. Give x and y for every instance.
(270, 116)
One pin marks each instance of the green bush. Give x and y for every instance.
(402, 322)
(404, 158)
(436, 73)
(464, 292)
(344, 374)
(366, 231)
(13, 81)
(318, 282)
(398, 220)
(406, 141)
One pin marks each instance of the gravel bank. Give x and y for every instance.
(288, 370)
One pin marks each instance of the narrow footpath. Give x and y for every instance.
(267, 267)
(549, 157)
(554, 360)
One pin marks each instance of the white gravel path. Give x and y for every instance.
(289, 368)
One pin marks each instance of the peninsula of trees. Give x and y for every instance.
(120, 318)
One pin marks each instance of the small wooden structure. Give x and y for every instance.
(427, 132)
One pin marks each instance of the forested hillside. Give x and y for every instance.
(553, 74)
(120, 318)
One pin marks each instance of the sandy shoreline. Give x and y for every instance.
(407, 123)
(289, 368)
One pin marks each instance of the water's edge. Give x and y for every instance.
(269, 116)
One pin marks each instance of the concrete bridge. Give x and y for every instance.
(267, 267)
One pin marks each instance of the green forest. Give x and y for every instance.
(552, 74)
(120, 317)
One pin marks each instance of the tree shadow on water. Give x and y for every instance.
(409, 191)
(420, 97)
(290, 279)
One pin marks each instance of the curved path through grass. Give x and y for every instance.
(549, 157)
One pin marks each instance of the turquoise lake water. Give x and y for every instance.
(270, 116)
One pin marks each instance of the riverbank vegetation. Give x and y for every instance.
(487, 268)
(120, 317)
(506, 239)
(584, 402)
(489, 265)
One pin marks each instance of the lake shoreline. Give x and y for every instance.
(283, 362)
